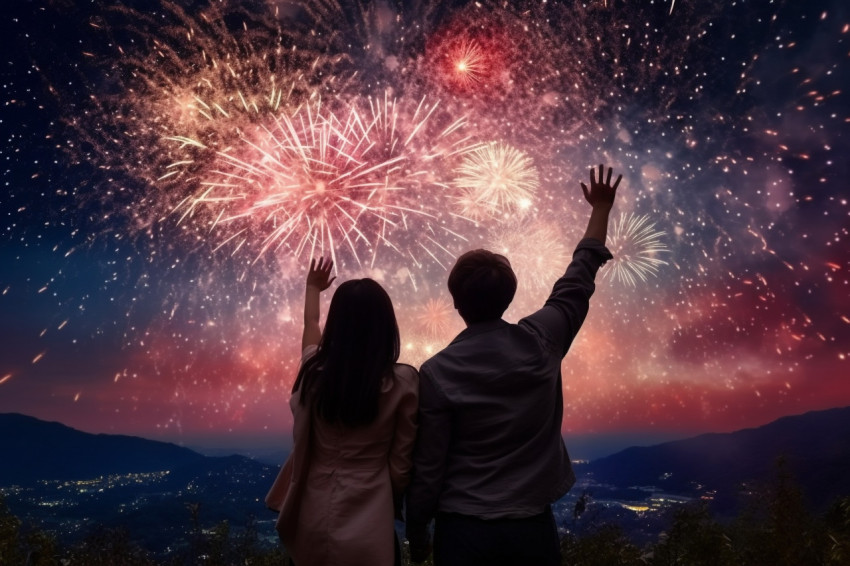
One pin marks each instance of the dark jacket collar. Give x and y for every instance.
(479, 328)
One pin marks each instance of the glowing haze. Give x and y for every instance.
(170, 170)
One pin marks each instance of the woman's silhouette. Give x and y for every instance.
(354, 412)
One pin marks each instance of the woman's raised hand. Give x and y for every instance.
(319, 275)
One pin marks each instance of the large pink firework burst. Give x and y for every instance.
(200, 77)
(357, 177)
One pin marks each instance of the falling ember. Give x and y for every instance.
(635, 243)
(5, 378)
(38, 357)
(495, 180)
(77, 396)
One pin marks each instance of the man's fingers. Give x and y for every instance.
(584, 189)
(603, 180)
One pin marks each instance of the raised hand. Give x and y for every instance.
(318, 279)
(319, 274)
(599, 193)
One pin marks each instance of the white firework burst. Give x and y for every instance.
(496, 179)
(635, 243)
(537, 251)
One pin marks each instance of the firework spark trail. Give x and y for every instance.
(635, 244)
(233, 139)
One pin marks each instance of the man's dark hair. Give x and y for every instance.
(482, 285)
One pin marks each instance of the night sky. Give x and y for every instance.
(168, 169)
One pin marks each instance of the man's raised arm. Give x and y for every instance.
(565, 310)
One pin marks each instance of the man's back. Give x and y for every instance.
(491, 407)
(489, 459)
(500, 385)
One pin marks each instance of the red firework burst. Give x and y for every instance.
(467, 59)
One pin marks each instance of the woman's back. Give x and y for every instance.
(354, 412)
(353, 475)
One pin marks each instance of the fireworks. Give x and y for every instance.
(435, 318)
(496, 179)
(538, 251)
(232, 137)
(181, 88)
(475, 54)
(318, 182)
(466, 64)
(635, 243)
(214, 149)
(416, 348)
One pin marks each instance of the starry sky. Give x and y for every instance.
(168, 169)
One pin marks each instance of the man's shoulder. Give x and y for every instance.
(480, 348)
(434, 361)
(435, 366)
(457, 346)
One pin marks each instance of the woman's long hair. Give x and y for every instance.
(359, 346)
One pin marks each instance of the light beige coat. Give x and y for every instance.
(336, 490)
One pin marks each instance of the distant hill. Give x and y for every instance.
(815, 447)
(34, 450)
(69, 481)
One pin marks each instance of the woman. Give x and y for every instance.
(354, 412)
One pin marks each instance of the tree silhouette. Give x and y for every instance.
(603, 545)
(694, 538)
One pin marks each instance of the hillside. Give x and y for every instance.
(68, 482)
(815, 447)
(34, 450)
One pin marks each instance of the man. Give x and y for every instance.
(490, 459)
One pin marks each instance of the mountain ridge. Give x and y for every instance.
(49, 450)
(811, 446)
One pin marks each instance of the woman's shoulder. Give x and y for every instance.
(406, 375)
(407, 370)
(404, 378)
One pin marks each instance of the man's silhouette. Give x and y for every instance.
(489, 459)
